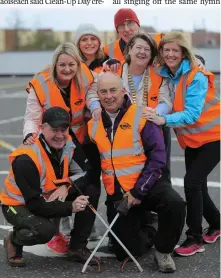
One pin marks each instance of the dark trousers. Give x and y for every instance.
(167, 141)
(169, 206)
(93, 156)
(30, 229)
(199, 163)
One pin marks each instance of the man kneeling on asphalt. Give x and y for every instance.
(133, 155)
(39, 188)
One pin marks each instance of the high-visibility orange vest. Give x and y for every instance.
(11, 194)
(98, 69)
(157, 37)
(113, 51)
(207, 128)
(49, 95)
(153, 93)
(125, 157)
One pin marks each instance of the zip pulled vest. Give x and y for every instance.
(124, 157)
(49, 95)
(207, 128)
(11, 194)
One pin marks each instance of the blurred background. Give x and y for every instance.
(28, 36)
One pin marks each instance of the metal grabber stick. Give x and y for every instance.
(123, 204)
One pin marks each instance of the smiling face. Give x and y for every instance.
(110, 92)
(127, 30)
(66, 68)
(172, 55)
(89, 45)
(55, 137)
(140, 53)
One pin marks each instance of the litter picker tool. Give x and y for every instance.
(122, 209)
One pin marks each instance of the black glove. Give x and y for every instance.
(111, 62)
(122, 206)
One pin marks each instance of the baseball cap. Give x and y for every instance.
(56, 117)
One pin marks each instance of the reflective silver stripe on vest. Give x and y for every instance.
(94, 129)
(76, 127)
(85, 80)
(124, 171)
(206, 106)
(77, 114)
(45, 88)
(14, 196)
(202, 128)
(111, 50)
(137, 149)
(68, 150)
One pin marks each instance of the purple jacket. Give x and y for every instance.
(153, 143)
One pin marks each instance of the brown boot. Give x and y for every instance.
(13, 253)
(81, 255)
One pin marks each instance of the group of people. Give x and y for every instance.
(108, 112)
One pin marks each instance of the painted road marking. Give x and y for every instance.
(175, 181)
(11, 86)
(43, 251)
(11, 120)
(20, 94)
(11, 136)
(7, 145)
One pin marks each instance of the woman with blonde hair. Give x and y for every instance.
(88, 41)
(196, 122)
(64, 84)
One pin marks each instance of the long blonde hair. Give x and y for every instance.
(71, 50)
(179, 38)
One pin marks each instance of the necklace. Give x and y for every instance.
(133, 90)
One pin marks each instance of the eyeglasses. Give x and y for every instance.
(129, 24)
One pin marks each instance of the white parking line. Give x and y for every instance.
(175, 181)
(11, 120)
(179, 182)
(11, 136)
(20, 94)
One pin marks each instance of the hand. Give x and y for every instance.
(96, 114)
(200, 64)
(60, 193)
(131, 200)
(80, 203)
(112, 65)
(156, 119)
(114, 68)
(147, 111)
(30, 140)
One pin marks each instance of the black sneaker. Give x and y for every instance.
(81, 255)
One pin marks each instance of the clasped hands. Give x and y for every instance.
(150, 114)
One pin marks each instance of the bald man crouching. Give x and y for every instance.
(132, 158)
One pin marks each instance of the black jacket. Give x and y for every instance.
(28, 180)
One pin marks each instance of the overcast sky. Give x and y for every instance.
(162, 18)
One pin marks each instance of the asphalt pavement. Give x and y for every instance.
(41, 263)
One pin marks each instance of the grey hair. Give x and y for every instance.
(122, 83)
